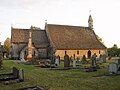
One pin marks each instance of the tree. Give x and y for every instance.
(7, 44)
(114, 51)
(34, 28)
(100, 39)
(115, 46)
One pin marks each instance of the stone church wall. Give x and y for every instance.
(42, 53)
(15, 48)
(79, 53)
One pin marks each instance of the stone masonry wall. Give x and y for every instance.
(78, 53)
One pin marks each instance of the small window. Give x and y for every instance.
(77, 52)
(34, 52)
(99, 51)
(89, 54)
(65, 52)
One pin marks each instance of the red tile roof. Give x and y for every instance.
(39, 37)
(66, 37)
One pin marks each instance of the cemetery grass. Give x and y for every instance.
(73, 79)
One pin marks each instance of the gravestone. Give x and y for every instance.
(33, 59)
(21, 75)
(53, 57)
(71, 58)
(22, 57)
(10, 76)
(84, 59)
(118, 63)
(57, 61)
(58, 58)
(74, 63)
(94, 64)
(66, 61)
(113, 68)
(104, 58)
(100, 59)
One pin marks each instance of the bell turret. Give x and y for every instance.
(90, 22)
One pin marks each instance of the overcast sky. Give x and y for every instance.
(24, 13)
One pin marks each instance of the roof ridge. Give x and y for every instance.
(28, 29)
(20, 28)
(68, 25)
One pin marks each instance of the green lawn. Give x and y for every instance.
(73, 79)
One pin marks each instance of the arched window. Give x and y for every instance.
(78, 52)
(34, 52)
(89, 54)
(99, 51)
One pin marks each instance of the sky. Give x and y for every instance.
(24, 13)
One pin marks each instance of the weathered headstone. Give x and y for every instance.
(113, 68)
(118, 63)
(58, 58)
(94, 64)
(78, 59)
(66, 60)
(22, 57)
(57, 61)
(83, 59)
(71, 58)
(104, 58)
(21, 75)
(74, 63)
(100, 59)
(53, 57)
(33, 59)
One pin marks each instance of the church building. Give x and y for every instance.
(57, 39)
